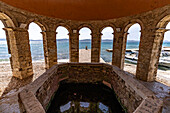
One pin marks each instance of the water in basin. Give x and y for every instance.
(84, 98)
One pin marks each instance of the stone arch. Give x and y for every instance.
(108, 25)
(8, 22)
(41, 24)
(85, 44)
(64, 25)
(38, 52)
(8, 19)
(106, 56)
(85, 25)
(64, 54)
(126, 27)
(128, 24)
(158, 42)
(162, 23)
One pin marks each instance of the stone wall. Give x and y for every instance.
(150, 22)
(129, 91)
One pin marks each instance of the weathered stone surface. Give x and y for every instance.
(50, 48)
(21, 54)
(150, 105)
(150, 46)
(30, 102)
(17, 21)
(129, 90)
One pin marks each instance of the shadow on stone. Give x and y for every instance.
(16, 83)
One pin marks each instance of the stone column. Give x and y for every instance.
(7, 31)
(7, 39)
(96, 46)
(44, 48)
(119, 48)
(74, 46)
(149, 53)
(20, 52)
(50, 48)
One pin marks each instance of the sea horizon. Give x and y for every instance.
(63, 48)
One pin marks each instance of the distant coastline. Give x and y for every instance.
(37, 51)
(84, 40)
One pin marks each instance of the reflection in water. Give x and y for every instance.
(86, 98)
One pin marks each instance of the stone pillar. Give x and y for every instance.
(44, 48)
(20, 52)
(149, 53)
(96, 46)
(74, 46)
(119, 48)
(7, 31)
(50, 48)
(7, 39)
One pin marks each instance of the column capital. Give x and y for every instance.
(7, 28)
(161, 30)
(71, 33)
(49, 31)
(15, 29)
(19, 29)
(120, 34)
(126, 33)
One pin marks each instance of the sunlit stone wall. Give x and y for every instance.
(129, 91)
(149, 48)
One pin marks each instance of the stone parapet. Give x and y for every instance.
(150, 105)
(130, 92)
(30, 102)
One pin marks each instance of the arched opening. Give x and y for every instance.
(62, 44)
(163, 71)
(5, 67)
(85, 45)
(37, 51)
(132, 48)
(5, 51)
(4, 54)
(107, 44)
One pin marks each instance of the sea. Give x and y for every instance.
(63, 49)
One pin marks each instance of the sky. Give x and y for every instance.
(62, 32)
(134, 32)
(107, 33)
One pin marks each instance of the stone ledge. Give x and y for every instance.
(134, 83)
(30, 102)
(128, 89)
(150, 105)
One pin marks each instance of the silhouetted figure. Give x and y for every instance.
(86, 48)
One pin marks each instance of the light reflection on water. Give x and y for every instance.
(103, 108)
(65, 107)
(84, 98)
(83, 106)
